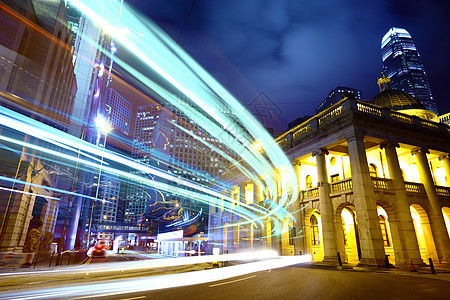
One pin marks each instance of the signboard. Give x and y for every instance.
(16, 260)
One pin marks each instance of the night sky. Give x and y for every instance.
(297, 51)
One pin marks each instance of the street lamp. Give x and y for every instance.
(257, 146)
(102, 127)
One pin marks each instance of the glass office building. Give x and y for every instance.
(402, 63)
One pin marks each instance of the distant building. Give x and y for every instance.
(94, 53)
(402, 63)
(120, 115)
(105, 209)
(336, 95)
(165, 138)
(137, 199)
(37, 80)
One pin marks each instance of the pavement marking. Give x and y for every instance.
(232, 281)
(140, 297)
(88, 261)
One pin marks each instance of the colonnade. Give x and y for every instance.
(365, 205)
(401, 223)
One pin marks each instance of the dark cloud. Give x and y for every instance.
(297, 51)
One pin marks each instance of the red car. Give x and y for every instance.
(99, 250)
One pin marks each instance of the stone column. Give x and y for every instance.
(440, 234)
(326, 209)
(446, 162)
(256, 193)
(371, 240)
(406, 248)
(297, 212)
(242, 192)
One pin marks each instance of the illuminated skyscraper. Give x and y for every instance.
(402, 63)
(120, 111)
(336, 95)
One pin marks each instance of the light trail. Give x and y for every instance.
(213, 109)
(160, 54)
(153, 263)
(125, 286)
(34, 128)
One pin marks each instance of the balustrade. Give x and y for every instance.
(443, 191)
(401, 117)
(369, 109)
(301, 131)
(330, 115)
(428, 124)
(310, 193)
(381, 183)
(378, 183)
(282, 142)
(416, 188)
(342, 185)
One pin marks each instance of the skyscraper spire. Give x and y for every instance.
(402, 64)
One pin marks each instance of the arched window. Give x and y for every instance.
(315, 237)
(384, 231)
(373, 170)
(308, 182)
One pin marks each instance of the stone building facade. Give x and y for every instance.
(374, 184)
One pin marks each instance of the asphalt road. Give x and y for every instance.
(293, 282)
(304, 283)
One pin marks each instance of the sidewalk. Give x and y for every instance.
(50, 264)
(442, 270)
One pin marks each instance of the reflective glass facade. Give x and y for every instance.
(402, 63)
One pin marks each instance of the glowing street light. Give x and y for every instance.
(103, 126)
(257, 146)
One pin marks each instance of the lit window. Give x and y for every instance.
(373, 170)
(315, 237)
(384, 231)
(308, 182)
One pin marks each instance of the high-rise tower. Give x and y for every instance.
(402, 63)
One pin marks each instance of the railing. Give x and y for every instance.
(428, 124)
(369, 109)
(416, 188)
(401, 117)
(301, 131)
(381, 183)
(444, 118)
(331, 114)
(350, 106)
(443, 191)
(342, 185)
(310, 193)
(282, 142)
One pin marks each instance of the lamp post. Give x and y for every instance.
(102, 127)
(63, 233)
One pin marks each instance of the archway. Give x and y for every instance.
(313, 235)
(287, 237)
(423, 233)
(386, 234)
(350, 239)
(446, 213)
